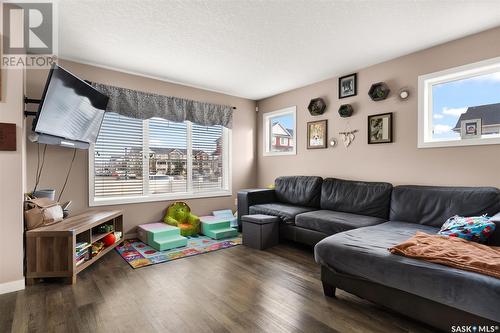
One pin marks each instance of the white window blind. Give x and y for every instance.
(181, 160)
(207, 160)
(167, 156)
(118, 157)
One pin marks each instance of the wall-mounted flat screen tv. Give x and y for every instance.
(70, 112)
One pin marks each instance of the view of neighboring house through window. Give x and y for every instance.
(461, 106)
(279, 134)
(182, 160)
(473, 98)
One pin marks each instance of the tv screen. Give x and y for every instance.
(70, 108)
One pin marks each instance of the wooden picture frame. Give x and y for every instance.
(348, 85)
(317, 134)
(380, 128)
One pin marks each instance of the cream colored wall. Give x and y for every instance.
(11, 185)
(58, 159)
(399, 162)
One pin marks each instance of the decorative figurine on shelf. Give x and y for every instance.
(179, 215)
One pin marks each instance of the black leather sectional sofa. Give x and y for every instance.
(353, 223)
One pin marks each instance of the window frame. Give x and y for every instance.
(425, 111)
(267, 126)
(190, 194)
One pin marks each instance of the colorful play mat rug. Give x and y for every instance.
(138, 254)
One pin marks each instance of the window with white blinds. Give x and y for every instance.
(136, 160)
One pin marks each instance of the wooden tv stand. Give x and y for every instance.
(50, 250)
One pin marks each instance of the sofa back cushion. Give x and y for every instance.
(363, 198)
(433, 205)
(299, 190)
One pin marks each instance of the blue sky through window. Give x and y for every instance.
(451, 99)
(285, 120)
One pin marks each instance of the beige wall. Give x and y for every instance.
(58, 159)
(399, 162)
(11, 185)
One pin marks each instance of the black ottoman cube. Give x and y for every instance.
(260, 231)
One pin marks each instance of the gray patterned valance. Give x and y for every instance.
(143, 105)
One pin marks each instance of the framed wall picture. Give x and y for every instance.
(470, 129)
(348, 85)
(380, 128)
(317, 134)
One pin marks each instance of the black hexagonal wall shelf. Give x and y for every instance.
(346, 110)
(316, 106)
(379, 91)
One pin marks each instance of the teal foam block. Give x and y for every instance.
(227, 214)
(161, 236)
(217, 227)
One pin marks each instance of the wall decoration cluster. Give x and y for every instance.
(317, 134)
(380, 128)
(317, 106)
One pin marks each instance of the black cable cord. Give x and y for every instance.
(67, 176)
(39, 167)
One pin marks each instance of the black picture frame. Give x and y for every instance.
(353, 90)
(372, 136)
(324, 123)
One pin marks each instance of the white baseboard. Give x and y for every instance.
(9, 287)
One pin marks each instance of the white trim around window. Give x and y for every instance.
(425, 102)
(224, 191)
(267, 127)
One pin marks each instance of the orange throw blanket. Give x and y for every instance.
(452, 251)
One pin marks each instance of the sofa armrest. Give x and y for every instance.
(247, 198)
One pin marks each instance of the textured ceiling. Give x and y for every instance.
(256, 49)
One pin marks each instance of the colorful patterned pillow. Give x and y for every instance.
(476, 228)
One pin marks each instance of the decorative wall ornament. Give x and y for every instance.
(317, 134)
(380, 128)
(378, 91)
(346, 110)
(317, 106)
(332, 142)
(348, 85)
(404, 93)
(348, 137)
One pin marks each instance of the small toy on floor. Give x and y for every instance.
(179, 215)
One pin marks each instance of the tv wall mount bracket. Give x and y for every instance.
(30, 101)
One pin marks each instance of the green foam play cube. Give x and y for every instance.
(217, 227)
(161, 236)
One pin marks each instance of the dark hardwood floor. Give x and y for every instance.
(232, 290)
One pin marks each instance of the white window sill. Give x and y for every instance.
(95, 202)
(460, 142)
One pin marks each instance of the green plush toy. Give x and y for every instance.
(179, 215)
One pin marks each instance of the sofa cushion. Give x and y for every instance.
(286, 212)
(364, 198)
(433, 205)
(363, 253)
(299, 190)
(330, 222)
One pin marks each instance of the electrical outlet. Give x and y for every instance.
(236, 201)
